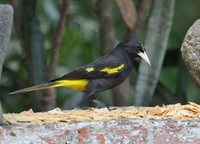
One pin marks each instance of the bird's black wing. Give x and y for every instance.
(102, 68)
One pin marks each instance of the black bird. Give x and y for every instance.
(100, 75)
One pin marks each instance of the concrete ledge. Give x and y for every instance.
(138, 125)
(114, 131)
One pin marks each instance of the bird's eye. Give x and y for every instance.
(140, 48)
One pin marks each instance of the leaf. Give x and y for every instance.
(128, 12)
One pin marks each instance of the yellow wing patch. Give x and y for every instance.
(76, 85)
(89, 69)
(112, 70)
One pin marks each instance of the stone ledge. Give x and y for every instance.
(114, 131)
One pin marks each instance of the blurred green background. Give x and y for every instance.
(81, 45)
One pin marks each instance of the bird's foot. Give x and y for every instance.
(101, 104)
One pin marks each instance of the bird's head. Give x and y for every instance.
(135, 49)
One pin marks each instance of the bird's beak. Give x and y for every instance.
(144, 56)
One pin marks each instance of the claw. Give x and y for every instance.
(101, 104)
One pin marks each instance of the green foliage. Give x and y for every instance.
(186, 12)
(4, 1)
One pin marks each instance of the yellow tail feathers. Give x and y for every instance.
(76, 85)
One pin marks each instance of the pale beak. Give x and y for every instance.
(144, 56)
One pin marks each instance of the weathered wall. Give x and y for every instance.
(114, 131)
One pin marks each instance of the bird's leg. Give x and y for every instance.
(93, 97)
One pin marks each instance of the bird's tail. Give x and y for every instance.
(76, 85)
(39, 87)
